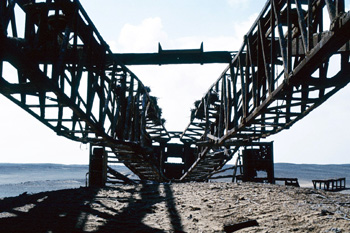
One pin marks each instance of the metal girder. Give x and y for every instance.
(66, 80)
(279, 75)
(167, 57)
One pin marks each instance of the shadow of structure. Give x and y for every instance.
(175, 218)
(112, 209)
(146, 200)
(55, 211)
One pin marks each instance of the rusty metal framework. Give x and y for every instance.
(170, 57)
(279, 75)
(68, 78)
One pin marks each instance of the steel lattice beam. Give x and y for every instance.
(67, 81)
(278, 77)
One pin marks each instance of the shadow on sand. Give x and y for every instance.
(112, 209)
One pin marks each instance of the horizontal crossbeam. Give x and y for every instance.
(168, 57)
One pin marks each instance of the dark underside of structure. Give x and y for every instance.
(69, 79)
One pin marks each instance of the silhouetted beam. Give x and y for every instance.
(174, 57)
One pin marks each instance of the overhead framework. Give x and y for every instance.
(171, 57)
(67, 78)
(280, 74)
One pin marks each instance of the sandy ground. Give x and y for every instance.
(190, 207)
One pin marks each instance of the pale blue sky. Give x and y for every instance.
(138, 26)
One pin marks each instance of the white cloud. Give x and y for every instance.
(143, 37)
(242, 28)
(230, 43)
(113, 46)
(177, 86)
(222, 43)
(217, 43)
(24, 139)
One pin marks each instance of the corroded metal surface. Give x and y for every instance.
(68, 79)
(279, 76)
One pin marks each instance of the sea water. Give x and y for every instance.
(305, 173)
(16, 179)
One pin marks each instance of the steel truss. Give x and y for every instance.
(67, 80)
(280, 74)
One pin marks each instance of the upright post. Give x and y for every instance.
(97, 167)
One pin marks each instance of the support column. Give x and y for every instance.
(258, 157)
(97, 167)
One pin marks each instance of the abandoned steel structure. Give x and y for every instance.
(69, 79)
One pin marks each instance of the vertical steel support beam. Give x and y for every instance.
(310, 31)
(97, 167)
(340, 7)
(271, 78)
(331, 9)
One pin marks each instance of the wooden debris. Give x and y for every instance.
(240, 225)
(330, 184)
